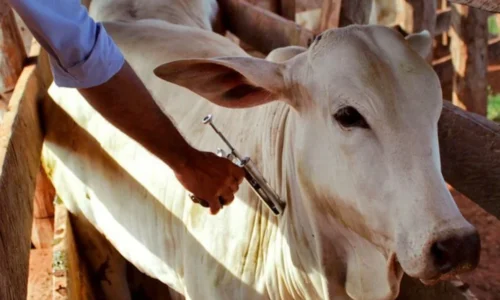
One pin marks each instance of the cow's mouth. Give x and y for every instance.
(441, 277)
(396, 269)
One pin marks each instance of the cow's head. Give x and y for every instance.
(365, 141)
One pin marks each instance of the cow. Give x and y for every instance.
(345, 131)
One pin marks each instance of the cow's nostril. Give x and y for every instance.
(442, 257)
(456, 253)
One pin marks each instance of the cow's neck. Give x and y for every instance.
(294, 247)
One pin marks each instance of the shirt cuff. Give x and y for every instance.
(103, 62)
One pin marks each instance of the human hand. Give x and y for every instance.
(212, 179)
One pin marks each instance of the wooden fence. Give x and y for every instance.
(472, 166)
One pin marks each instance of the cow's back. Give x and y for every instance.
(134, 199)
(194, 13)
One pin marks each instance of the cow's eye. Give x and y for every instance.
(349, 117)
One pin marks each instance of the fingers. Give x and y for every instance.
(238, 174)
(199, 201)
(215, 206)
(236, 178)
(216, 182)
(227, 198)
(232, 187)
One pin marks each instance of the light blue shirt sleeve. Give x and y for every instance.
(82, 54)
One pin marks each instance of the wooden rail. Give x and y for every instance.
(20, 147)
(267, 31)
(21, 139)
(487, 5)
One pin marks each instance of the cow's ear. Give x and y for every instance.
(233, 82)
(421, 42)
(285, 53)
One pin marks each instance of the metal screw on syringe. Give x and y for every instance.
(208, 120)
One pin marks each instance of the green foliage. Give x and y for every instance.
(492, 25)
(493, 99)
(494, 107)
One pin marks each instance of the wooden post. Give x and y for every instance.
(468, 47)
(286, 9)
(420, 15)
(42, 233)
(354, 12)
(330, 14)
(267, 31)
(12, 53)
(445, 38)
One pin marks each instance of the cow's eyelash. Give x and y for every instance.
(349, 117)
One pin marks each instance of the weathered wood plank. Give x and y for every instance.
(444, 68)
(420, 15)
(41, 57)
(470, 156)
(355, 12)
(330, 15)
(487, 5)
(20, 148)
(286, 9)
(44, 196)
(468, 47)
(442, 29)
(269, 31)
(42, 233)
(12, 52)
(70, 279)
(275, 30)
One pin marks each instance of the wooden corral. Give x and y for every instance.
(29, 220)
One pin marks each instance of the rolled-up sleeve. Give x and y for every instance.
(82, 54)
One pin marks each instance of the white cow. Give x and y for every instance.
(345, 131)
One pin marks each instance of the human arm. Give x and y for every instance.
(83, 56)
(206, 175)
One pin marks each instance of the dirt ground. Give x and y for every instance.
(40, 279)
(485, 280)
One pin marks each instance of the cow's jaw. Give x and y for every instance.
(317, 257)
